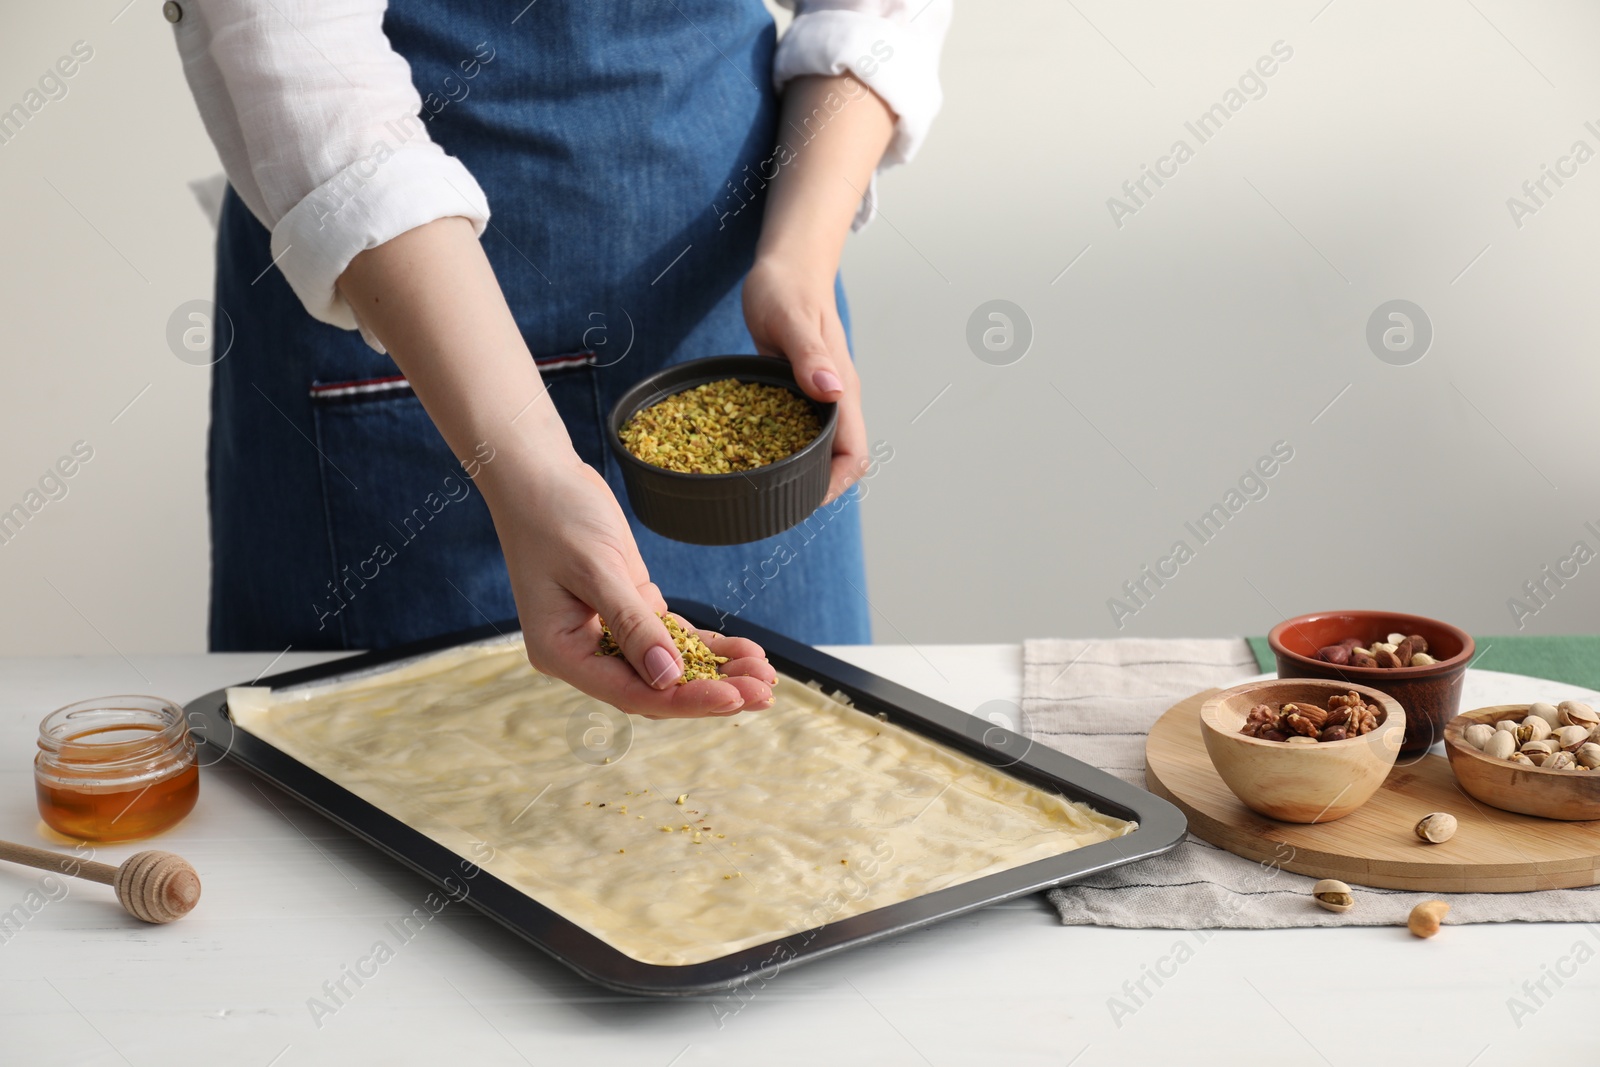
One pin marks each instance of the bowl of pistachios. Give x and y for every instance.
(722, 450)
(1420, 662)
(1535, 759)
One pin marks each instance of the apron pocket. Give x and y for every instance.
(413, 546)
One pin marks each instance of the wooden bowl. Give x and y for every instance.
(1299, 783)
(1430, 694)
(1570, 795)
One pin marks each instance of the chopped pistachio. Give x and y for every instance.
(722, 427)
(698, 660)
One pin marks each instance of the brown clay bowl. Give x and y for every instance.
(1570, 795)
(1299, 783)
(1430, 694)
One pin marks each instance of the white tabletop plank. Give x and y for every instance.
(292, 901)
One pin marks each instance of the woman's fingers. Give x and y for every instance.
(634, 624)
(609, 679)
(798, 338)
(755, 692)
(751, 667)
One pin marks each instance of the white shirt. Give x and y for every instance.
(312, 112)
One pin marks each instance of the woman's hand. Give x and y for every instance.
(432, 298)
(792, 313)
(573, 562)
(789, 302)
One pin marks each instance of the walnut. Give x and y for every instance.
(1345, 700)
(1262, 714)
(1364, 721)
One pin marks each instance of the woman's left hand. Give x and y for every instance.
(792, 313)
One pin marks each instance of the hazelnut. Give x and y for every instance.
(1477, 735)
(1437, 828)
(1333, 895)
(1362, 658)
(1418, 642)
(1337, 654)
(1338, 733)
(1426, 917)
(1575, 714)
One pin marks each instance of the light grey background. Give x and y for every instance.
(1223, 316)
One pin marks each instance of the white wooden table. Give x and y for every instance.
(291, 901)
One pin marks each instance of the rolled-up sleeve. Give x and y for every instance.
(316, 121)
(892, 46)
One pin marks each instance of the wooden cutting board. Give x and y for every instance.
(1493, 851)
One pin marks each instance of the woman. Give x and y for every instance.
(641, 166)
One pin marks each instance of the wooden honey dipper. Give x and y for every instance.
(157, 887)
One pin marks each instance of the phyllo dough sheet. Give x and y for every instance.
(790, 818)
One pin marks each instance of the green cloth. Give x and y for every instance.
(1572, 658)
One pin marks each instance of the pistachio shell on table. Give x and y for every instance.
(1333, 895)
(1437, 828)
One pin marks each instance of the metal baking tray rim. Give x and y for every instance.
(1161, 825)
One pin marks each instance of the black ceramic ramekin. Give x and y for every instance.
(723, 509)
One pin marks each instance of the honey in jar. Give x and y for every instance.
(116, 768)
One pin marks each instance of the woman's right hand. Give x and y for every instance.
(431, 297)
(573, 562)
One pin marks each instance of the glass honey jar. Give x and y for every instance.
(115, 768)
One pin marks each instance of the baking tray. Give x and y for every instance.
(1161, 825)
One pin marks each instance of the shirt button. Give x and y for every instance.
(172, 11)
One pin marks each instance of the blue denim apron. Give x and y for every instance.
(612, 141)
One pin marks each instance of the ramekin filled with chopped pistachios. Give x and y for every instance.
(723, 450)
